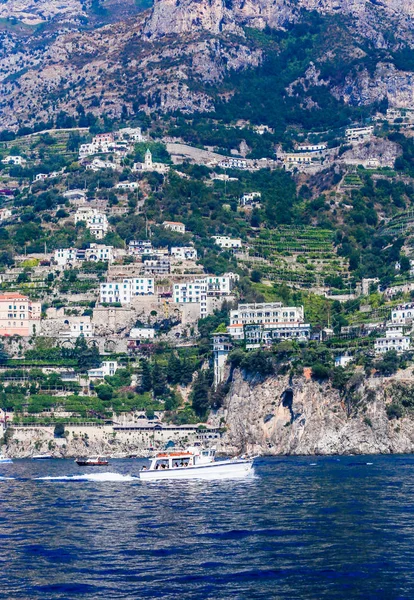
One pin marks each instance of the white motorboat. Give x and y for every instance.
(195, 463)
(5, 460)
(42, 457)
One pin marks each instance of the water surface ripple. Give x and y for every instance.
(302, 528)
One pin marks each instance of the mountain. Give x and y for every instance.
(195, 56)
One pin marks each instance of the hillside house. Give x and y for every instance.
(18, 315)
(184, 252)
(96, 222)
(176, 226)
(114, 292)
(225, 242)
(107, 369)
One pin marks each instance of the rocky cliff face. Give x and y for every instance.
(278, 416)
(216, 16)
(129, 64)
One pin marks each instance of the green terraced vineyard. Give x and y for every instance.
(294, 239)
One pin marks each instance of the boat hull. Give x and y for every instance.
(85, 463)
(225, 469)
(42, 457)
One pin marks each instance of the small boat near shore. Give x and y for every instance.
(42, 457)
(195, 463)
(95, 461)
(4, 460)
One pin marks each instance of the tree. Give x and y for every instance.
(200, 397)
(187, 370)
(174, 369)
(172, 402)
(104, 392)
(87, 357)
(389, 363)
(4, 357)
(320, 371)
(394, 411)
(405, 264)
(146, 379)
(159, 381)
(256, 276)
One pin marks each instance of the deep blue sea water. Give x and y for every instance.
(302, 528)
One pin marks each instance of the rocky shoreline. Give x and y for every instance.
(280, 416)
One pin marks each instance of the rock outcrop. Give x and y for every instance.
(304, 417)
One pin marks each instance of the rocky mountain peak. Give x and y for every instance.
(187, 16)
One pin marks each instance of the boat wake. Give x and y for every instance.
(6, 478)
(98, 477)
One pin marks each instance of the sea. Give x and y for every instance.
(299, 528)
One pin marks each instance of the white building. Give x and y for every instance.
(14, 160)
(261, 129)
(127, 185)
(100, 144)
(75, 195)
(107, 369)
(403, 314)
(357, 134)
(100, 253)
(292, 158)
(142, 333)
(343, 360)
(176, 226)
(199, 289)
(394, 340)
(5, 213)
(224, 241)
(312, 147)
(184, 252)
(65, 256)
(77, 326)
(149, 165)
(233, 163)
(96, 222)
(95, 253)
(192, 292)
(273, 321)
(98, 165)
(221, 348)
(122, 292)
(131, 133)
(140, 248)
(250, 199)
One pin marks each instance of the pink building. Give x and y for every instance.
(18, 315)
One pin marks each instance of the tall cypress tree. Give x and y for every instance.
(174, 369)
(146, 380)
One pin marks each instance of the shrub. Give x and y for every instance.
(104, 392)
(258, 362)
(394, 411)
(319, 371)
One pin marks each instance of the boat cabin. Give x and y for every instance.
(181, 460)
